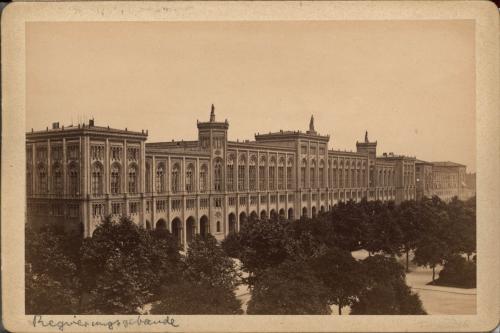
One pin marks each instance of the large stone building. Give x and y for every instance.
(445, 180)
(77, 175)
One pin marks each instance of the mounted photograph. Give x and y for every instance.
(181, 160)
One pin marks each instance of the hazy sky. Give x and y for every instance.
(409, 83)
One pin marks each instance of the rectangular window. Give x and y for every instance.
(58, 210)
(304, 197)
(148, 206)
(282, 198)
(254, 199)
(230, 177)
(116, 208)
(232, 201)
(204, 202)
(218, 202)
(291, 197)
(273, 198)
(161, 205)
(263, 199)
(313, 150)
(133, 208)
(190, 203)
(176, 204)
(243, 201)
(97, 210)
(303, 149)
(289, 174)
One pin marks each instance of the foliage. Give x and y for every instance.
(262, 244)
(458, 272)
(117, 268)
(206, 263)
(290, 288)
(50, 274)
(166, 261)
(385, 291)
(187, 298)
(432, 246)
(349, 225)
(207, 282)
(232, 245)
(341, 274)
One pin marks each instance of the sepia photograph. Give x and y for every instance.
(179, 166)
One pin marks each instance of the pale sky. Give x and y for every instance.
(411, 84)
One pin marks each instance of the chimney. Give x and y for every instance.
(55, 125)
(91, 122)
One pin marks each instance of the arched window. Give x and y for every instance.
(190, 178)
(175, 178)
(334, 180)
(203, 178)
(272, 174)
(218, 175)
(321, 176)
(262, 173)
(353, 176)
(241, 173)
(96, 182)
(341, 175)
(289, 174)
(160, 178)
(230, 173)
(42, 179)
(252, 171)
(74, 181)
(312, 175)
(132, 179)
(303, 174)
(57, 179)
(218, 226)
(148, 179)
(281, 174)
(115, 179)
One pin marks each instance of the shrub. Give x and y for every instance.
(458, 272)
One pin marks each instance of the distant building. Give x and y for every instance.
(77, 175)
(443, 179)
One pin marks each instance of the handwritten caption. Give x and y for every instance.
(40, 321)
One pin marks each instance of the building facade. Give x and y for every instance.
(79, 174)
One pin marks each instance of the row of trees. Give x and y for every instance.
(124, 267)
(303, 267)
(294, 267)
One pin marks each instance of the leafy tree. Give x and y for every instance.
(341, 274)
(383, 231)
(407, 215)
(290, 288)
(51, 282)
(385, 291)
(166, 261)
(117, 262)
(349, 225)
(462, 227)
(262, 245)
(207, 263)
(207, 283)
(432, 245)
(232, 245)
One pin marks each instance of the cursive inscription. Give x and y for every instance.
(39, 321)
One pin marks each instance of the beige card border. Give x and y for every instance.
(485, 15)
